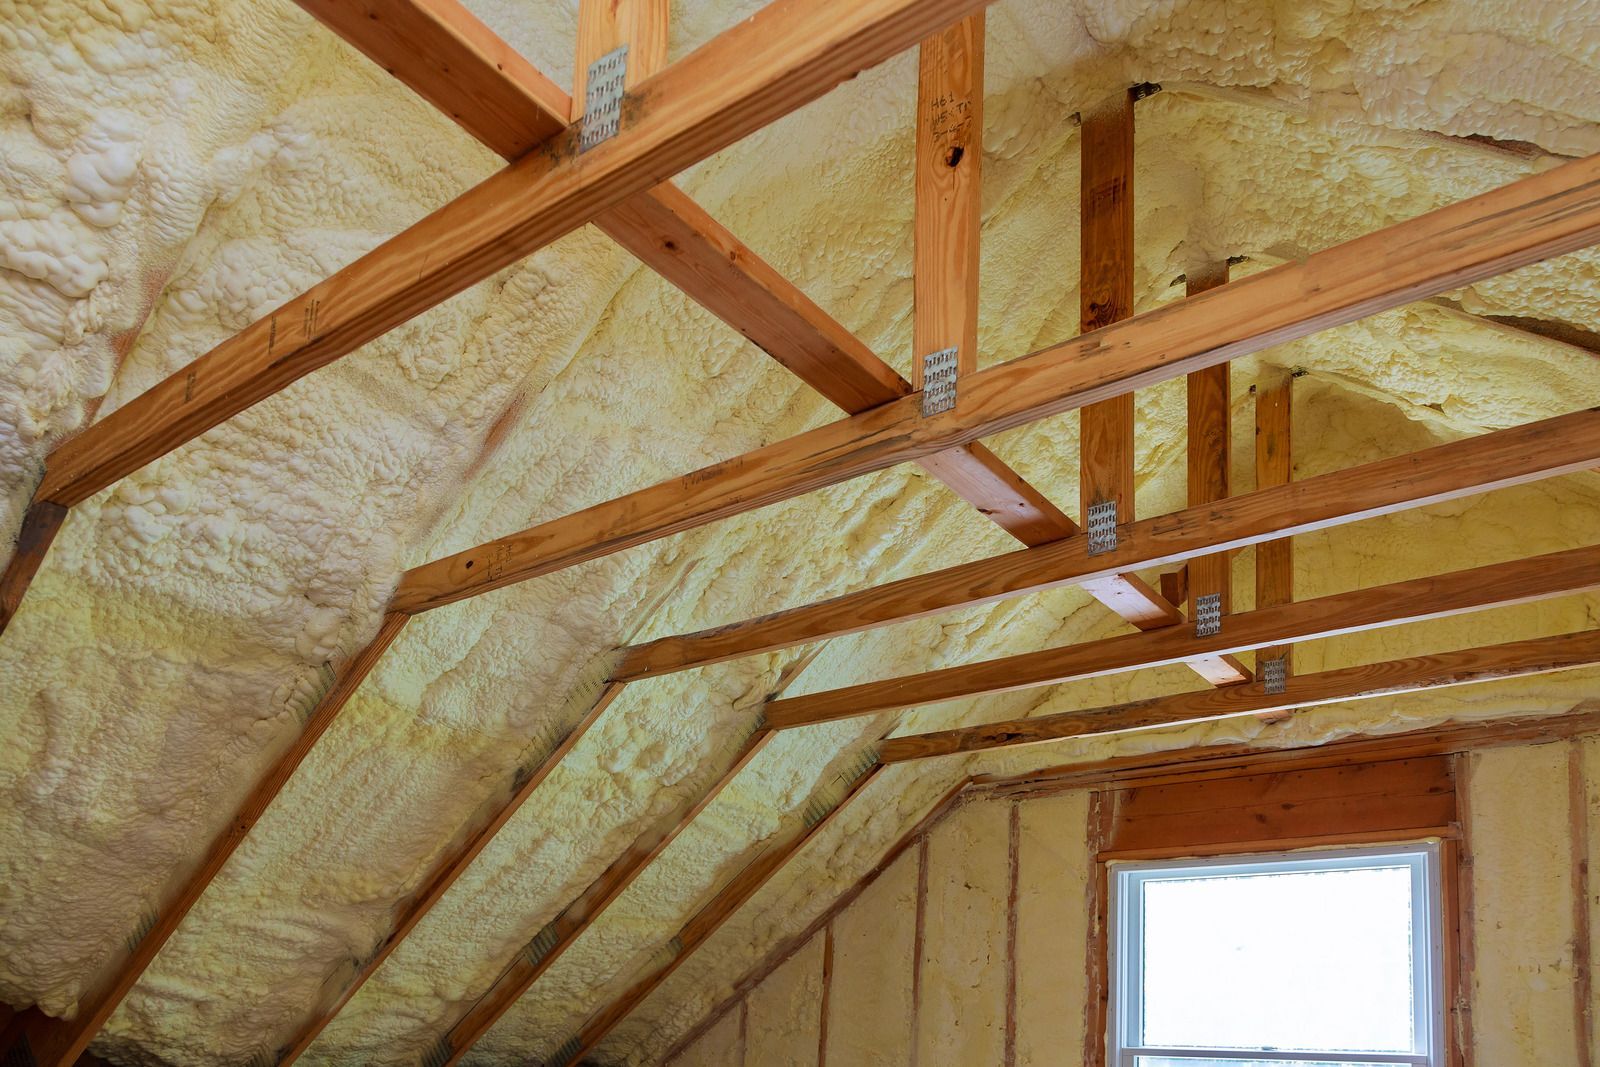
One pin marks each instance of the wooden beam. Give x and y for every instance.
(1105, 296)
(759, 70)
(1540, 216)
(1562, 445)
(410, 911)
(670, 233)
(702, 925)
(1468, 666)
(59, 1042)
(1209, 454)
(1274, 467)
(949, 189)
(1438, 596)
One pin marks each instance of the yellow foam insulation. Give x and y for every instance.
(170, 170)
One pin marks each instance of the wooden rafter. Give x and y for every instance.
(1439, 596)
(742, 80)
(1512, 660)
(1557, 446)
(1532, 219)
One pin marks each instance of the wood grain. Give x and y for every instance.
(1210, 452)
(1465, 667)
(59, 1042)
(40, 524)
(1105, 295)
(1438, 596)
(1562, 445)
(948, 185)
(1274, 466)
(1537, 217)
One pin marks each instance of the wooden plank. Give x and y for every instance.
(1358, 799)
(1105, 295)
(1210, 453)
(1274, 466)
(759, 70)
(1515, 659)
(701, 926)
(949, 188)
(1532, 219)
(40, 524)
(1565, 444)
(59, 1042)
(410, 911)
(1439, 596)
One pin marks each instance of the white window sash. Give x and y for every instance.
(1126, 934)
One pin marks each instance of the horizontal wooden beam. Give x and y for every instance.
(1561, 445)
(1537, 217)
(792, 52)
(1438, 596)
(1512, 660)
(702, 925)
(53, 1042)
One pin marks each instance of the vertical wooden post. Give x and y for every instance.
(603, 25)
(1274, 559)
(1210, 453)
(1106, 296)
(949, 172)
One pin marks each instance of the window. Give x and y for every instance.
(1285, 960)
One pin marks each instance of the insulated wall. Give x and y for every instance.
(974, 947)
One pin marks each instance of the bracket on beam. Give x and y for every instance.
(1208, 615)
(602, 98)
(1274, 675)
(1102, 526)
(939, 371)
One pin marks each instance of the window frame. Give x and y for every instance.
(1429, 923)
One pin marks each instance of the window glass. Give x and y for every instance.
(1328, 956)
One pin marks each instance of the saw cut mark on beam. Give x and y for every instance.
(59, 1042)
(1553, 447)
(1468, 666)
(1532, 219)
(704, 923)
(793, 52)
(1438, 596)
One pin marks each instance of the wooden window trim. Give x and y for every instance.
(1413, 818)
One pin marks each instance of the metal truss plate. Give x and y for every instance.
(938, 381)
(1208, 615)
(1275, 675)
(602, 98)
(1102, 524)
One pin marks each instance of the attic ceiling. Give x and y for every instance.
(173, 171)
